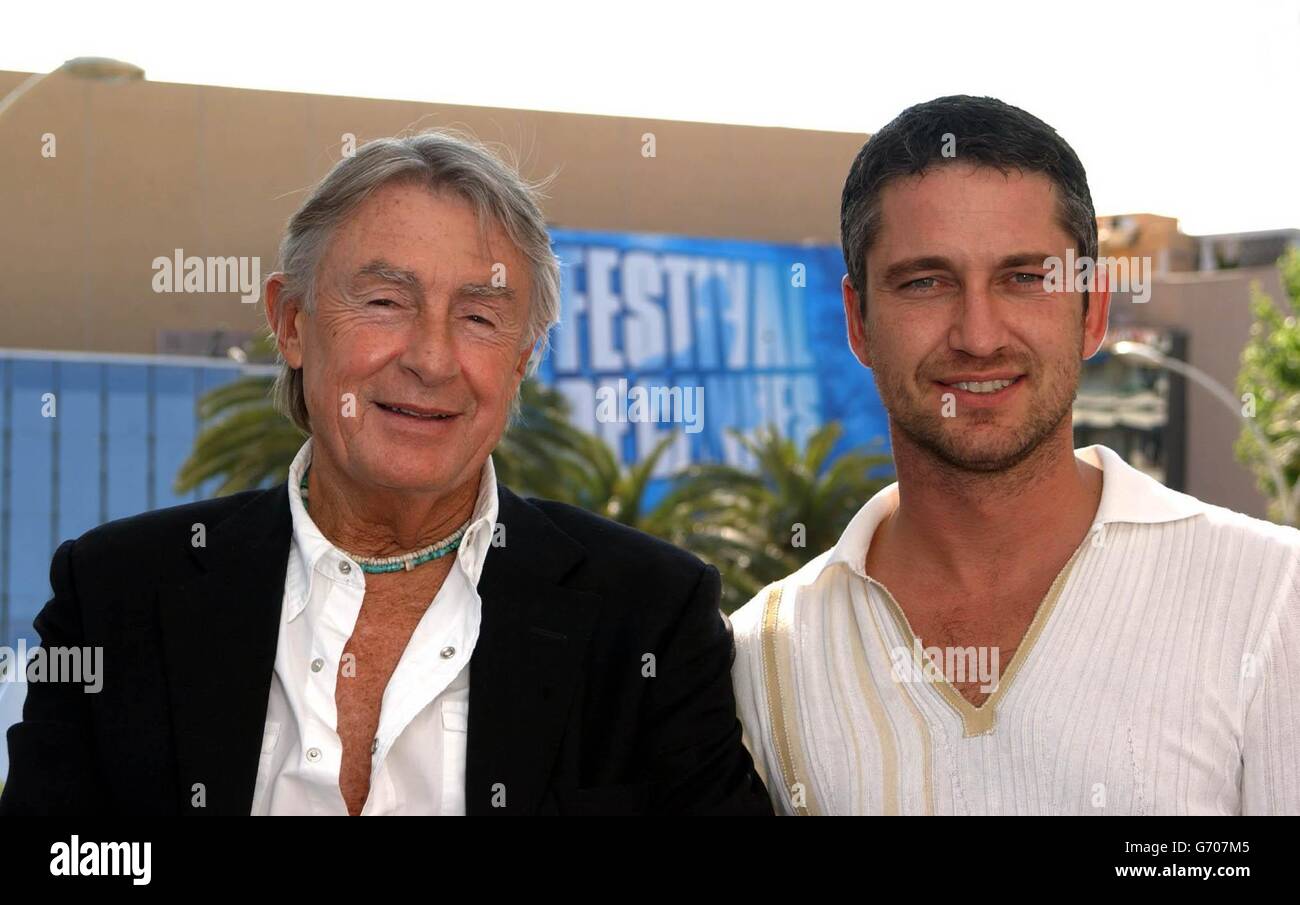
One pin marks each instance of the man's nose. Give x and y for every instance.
(430, 352)
(979, 328)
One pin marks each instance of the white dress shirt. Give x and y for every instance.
(418, 759)
(1160, 676)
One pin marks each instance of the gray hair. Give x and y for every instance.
(438, 159)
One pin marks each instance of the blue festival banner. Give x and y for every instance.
(696, 337)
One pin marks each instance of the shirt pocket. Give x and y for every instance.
(455, 735)
(455, 716)
(270, 738)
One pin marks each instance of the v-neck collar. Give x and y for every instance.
(982, 719)
(1127, 496)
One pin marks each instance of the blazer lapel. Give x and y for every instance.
(220, 630)
(219, 635)
(527, 660)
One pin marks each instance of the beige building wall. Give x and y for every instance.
(1147, 236)
(143, 168)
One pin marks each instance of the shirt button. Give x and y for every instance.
(448, 653)
(313, 754)
(345, 567)
(374, 746)
(317, 664)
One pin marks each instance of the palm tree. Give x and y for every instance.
(245, 442)
(708, 510)
(754, 526)
(542, 454)
(759, 526)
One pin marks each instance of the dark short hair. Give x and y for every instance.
(984, 131)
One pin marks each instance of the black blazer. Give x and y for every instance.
(560, 713)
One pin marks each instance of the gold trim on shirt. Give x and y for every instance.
(982, 719)
(775, 634)
(922, 728)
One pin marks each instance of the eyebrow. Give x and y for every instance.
(401, 276)
(908, 266)
(1026, 259)
(390, 273)
(485, 291)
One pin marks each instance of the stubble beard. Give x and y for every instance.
(970, 443)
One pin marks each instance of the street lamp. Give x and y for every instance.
(1154, 357)
(99, 69)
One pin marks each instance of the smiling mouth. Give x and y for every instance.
(412, 413)
(981, 386)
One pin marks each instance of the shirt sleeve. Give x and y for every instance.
(699, 752)
(751, 700)
(52, 763)
(1271, 746)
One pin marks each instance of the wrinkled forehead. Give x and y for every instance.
(433, 234)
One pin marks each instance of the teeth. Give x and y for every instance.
(983, 386)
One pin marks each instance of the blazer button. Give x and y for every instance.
(345, 567)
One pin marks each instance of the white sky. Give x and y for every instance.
(1187, 109)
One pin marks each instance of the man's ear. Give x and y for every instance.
(521, 365)
(1098, 316)
(853, 318)
(282, 317)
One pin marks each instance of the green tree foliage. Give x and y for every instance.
(759, 526)
(1270, 379)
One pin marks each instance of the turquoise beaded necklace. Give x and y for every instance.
(403, 562)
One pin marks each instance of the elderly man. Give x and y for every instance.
(390, 631)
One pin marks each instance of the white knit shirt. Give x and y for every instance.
(1162, 677)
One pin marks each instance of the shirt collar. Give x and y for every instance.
(318, 557)
(1127, 495)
